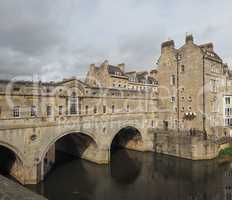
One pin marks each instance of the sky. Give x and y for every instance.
(56, 39)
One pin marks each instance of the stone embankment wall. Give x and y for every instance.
(13, 191)
(184, 145)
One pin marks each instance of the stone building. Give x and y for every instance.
(193, 81)
(110, 76)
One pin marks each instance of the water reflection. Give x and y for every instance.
(125, 174)
(134, 175)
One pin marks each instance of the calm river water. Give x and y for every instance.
(143, 176)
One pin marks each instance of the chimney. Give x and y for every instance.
(92, 67)
(189, 39)
(122, 67)
(105, 64)
(168, 45)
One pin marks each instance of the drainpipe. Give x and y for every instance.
(204, 117)
(178, 98)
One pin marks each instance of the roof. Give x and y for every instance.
(21, 82)
(212, 54)
(141, 77)
(114, 70)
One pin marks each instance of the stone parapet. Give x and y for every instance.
(183, 145)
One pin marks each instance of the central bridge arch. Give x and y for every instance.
(127, 137)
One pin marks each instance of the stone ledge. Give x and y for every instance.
(13, 191)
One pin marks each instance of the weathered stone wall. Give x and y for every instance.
(183, 145)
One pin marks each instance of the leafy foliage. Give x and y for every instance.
(226, 152)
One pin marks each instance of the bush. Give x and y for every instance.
(226, 152)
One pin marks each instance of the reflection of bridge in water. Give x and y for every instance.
(134, 175)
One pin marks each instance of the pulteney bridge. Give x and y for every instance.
(31, 144)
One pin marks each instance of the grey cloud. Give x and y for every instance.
(61, 38)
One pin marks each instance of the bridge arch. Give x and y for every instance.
(14, 149)
(75, 143)
(12, 161)
(127, 136)
(59, 136)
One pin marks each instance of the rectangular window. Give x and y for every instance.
(172, 80)
(227, 122)
(16, 111)
(152, 123)
(60, 110)
(86, 110)
(213, 86)
(230, 122)
(182, 69)
(173, 99)
(112, 108)
(95, 109)
(0, 111)
(227, 99)
(33, 111)
(104, 109)
(227, 111)
(127, 108)
(49, 111)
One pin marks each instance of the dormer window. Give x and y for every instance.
(118, 73)
(16, 89)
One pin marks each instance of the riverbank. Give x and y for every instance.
(14, 191)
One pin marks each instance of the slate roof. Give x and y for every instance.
(114, 70)
(142, 77)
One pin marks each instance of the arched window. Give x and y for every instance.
(73, 104)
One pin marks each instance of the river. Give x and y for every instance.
(138, 176)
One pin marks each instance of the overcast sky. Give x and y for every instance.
(60, 38)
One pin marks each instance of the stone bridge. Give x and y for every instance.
(33, 142)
